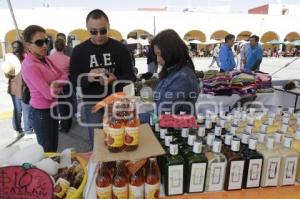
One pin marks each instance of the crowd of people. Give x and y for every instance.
(55, 78)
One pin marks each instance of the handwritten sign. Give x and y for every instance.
(19, 183)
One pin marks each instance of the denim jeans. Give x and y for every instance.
(21, 109)
(45, 127)
(93, 120)
(65, 109)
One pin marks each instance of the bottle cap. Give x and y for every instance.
(201, 131)
(285, 119)
(173, 148)
(217, 144)
(287, 141)
(270, 142)
(261, 137)
(184, 132)
(168, 139)
(210, 139)
(249, 128)
(228, 138)
(191, 139)
(245, 138)
(182, 113)
(235, 144)
(252, 143)
(197, 148)
(218, 130)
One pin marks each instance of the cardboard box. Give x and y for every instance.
(148, 146)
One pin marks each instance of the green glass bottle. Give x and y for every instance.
(188, 148)
(174, 172)
(196, 166)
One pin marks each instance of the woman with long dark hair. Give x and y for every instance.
(177, 79)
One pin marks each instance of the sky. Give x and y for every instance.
(234, 6)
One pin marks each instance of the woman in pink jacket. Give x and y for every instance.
(42, 78)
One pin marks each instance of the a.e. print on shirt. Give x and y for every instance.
(102, 61)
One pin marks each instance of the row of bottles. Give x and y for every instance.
(121, 126)
(208, 161)
(114, 181)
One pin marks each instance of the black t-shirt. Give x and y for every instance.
(113, 56)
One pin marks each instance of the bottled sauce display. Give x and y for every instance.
(196, 165)
(174, 172)
(289, 163)
(253, 166)
(120, 182)
(271, 166)
(216, 168)
(137, 184)
(116, 135)
(103, 182)
(152, 180)
(132, 134)
(235, 167)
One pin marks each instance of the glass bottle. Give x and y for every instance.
(103, 182)
(227, 144)
(244, 141)
(296, 147)
(132, 134)
(218, 132)
(233, 129)
(261, 141)
(277, 140)
(115, 140)
(253, 166)
(184, 135)
(289, 163)
(120, 182)
(162, 133)
(137, 184)
(271, 166)
(215, 175)
(174, 172)
(201, 136)
(152, 180)
(235, 167)
(208, 125)
(196, 166)
(188, 149)
(209, 142)
(106, 120)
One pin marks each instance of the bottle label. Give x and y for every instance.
(236, 175)
(273, 166)
(233, 130)
(152, 191)
(184, 132)
(157, 127)
(197, 177)
(104, 192)
(136, 192)
(290, 168)
(222, 123)
(254, 173)
(61, 187)
(132, 136)
(120, 192)
(216, 176)
(218, 130)
(115, 137)
(249, 129)
(175, 179)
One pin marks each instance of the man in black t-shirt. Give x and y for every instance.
(96, 64)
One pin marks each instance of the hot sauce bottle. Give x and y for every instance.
(103, 182)
(120, 182)
(132, 132)
(152, 180)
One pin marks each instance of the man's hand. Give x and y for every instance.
(107, 78)
(94, 74)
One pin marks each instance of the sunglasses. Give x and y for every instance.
(41, 42)
(102, 31)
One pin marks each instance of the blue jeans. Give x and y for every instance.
(46, 128)
(66, 110)
(94, 120)
(20, 108)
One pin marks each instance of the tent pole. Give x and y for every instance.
(14, 19)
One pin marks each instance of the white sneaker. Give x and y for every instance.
(17, 134)
(29, 136)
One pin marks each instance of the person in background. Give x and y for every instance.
(15, 89)
(215, 56)
(123, 41)
(243, 54)
(96, 64)
(255, 54)
(226, 55)
(177, 78)
(152, 65)
(67, 50)
(41, 76)
(63, 61)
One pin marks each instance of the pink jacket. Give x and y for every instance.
(38, 76)
(61, 60)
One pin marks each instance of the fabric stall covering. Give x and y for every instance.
(263, 83)
(243, 82)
